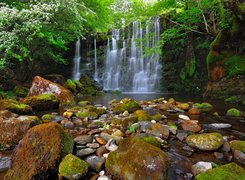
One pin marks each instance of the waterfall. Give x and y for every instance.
(96, 78)
(76, 73)
(127, 68)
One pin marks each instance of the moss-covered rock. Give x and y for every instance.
(234, 112)
(205, 142)
(42, 102)
(150, 140)
(184, 106)
(73, 167)
(229, 171)
(124, 121)
(15, 106)
(85, 113)
(13, 128)
(238, 145)
(71, 85)
(126, 104)
(39, 152)
(142, 115)
(137, 160)
(156, 117)
(205, 107)
(21, 91)
(232, 99)
(48, 117)
(84, 103)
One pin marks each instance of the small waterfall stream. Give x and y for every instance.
(76, 73)
(96, 78)
(127, 68)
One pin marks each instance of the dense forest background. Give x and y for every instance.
(201, 47)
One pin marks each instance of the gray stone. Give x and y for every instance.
(95, 162)
(93, 145)
(5, 163)
(201, 167)
(84, 139)
(85, 152)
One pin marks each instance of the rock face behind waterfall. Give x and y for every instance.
(39, 152)
(44, 86)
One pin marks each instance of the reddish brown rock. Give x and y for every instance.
(44, 86)
(191, 125)
(194, 111)
(13, 128)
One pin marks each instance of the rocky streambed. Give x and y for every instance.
(124, 139)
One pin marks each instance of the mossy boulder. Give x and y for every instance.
(137, 160)
(232, 99)
(238, 145)
(42, 102)
(150, 140)
(229, 171)
(126, 104)
(44, 86)
(85, 113)
(142, 115)
(125, 122)
(39, 152)
(71, 85)
(13, 127)
(234, 112)
(205, 142)
(48, 117)
(184, 106)
(84, 103)
(15, 106)
(205, 107)
(21, 91)
(73, 167)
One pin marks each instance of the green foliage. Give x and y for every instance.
(235, 65)
(192, 68)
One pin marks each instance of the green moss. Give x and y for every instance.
(234, 112)
(90, 91)
(84, 114)
(238, 145)
(21, 91)
(71, 167)
(126, 105)
(68, 144)
(232, 99)
(48, 117)
(235, 65)
(156, 117)
(142, 115)
(15, 106)
(150, 140)
(8, 94)
(100, 111)
(70, 85)
(79, 86)
(204, 106)
(229, 171)
(117, 92)
(84, 103)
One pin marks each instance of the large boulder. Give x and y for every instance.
(39, 152)
(229, 171)
(126, 104)
(15, 106)
(41, 102)
(137, 160)
(205, 142)
(44, 86)
(13, 127)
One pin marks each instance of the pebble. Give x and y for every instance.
(221, 125)
(101, 151)
(201, 167)
(100, 140)
(184, 117)
(85, 152)
(95, 131)
(153, 121)
(84, 139)
(95, 162)
(111, 145)
(93, 145)
(125, 113)
(239, 156)
(226, 147)
(144, 125)
(181, 135)
(103, 178)
(218, 155)
(118, 133)
(5, 163)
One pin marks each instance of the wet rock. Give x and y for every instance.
(39, 151)
(15, 106)
(21, 91)
(142, 115)
(95, 131)
(67, 124)
(101, 140)
(125, 113)
(159, 130)
(83, 139)
(226, 147)
(87, 114)
(118, 133)
(85, 152)
(218, 155)
(175, 109)
(101, 151)
(204, 107)
(238, 145)
(205, 142)
(125, 121)
(145, 125)
(157, 117)
(93, 145)
(126, 104)
(184, 117)
(143, 161)
(201, 167)
(191, 125)
(44, 86)
(68, 114)
(72, 167)
(164, 107)
(234, 112)
(149, 139)
(183, 106)
(181, 136)
(171, 101)
(107, 137)
(95, 162)
(220, 125)
(5, 163)
(228, 171)
(41, 102)
(239, 156)
(194, 111)
(111, 145)
(13, 128)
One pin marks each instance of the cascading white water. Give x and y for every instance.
(96, 78)
(76, 62)
(134, 72)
